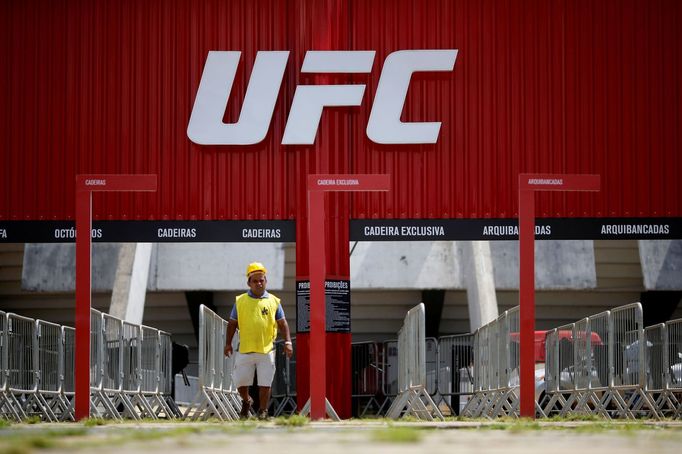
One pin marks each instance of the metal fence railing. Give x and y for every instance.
(629, 366)
(284, 383)
(455, 365)
(413, 398)
(216, 396)
(671, 399)
(367, 374)
(37, 363)
(606, 364)
(495, 368)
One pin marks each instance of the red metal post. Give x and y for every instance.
(85, 186)
(527, 300)
(317, 186)
(83, 303)
(528, 184)
(317, 260)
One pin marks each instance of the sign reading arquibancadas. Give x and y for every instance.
(508, 229)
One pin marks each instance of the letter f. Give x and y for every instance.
(309, 100)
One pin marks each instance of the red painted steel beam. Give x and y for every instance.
(528, 184)
(85, 186)
(318, 184)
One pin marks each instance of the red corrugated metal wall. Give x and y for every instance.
(538, 86)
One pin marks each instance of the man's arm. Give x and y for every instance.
(232, 326)
(283, 327)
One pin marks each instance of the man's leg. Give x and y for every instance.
(244, 392)
(266, 373)
(264, 397)
(242, 374)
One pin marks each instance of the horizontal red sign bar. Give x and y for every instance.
(558, 182)
(110, 182)
(349, 182)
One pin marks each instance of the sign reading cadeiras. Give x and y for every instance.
(508, 229)
(277, 231)
(337, 296)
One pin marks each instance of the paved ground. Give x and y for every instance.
(348, 437)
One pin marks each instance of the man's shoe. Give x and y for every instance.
(246, 407)
(263, 415)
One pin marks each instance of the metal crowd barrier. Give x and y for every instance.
(284, 383)
(432, 371)
(672, 397)
(367, 375)
(455, 365)
(37, 363)
(216, 397)
(5, 401)
(596, 398)
(22, 366)
(69, 378)
(413, 397)
(664, 367)
(608, 364)
(496, 362)
(629, 353)
(51, 369)
(164, 391)
(389, 374)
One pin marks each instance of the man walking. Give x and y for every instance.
(258, 314)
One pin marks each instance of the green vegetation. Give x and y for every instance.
(22, 442)
(92, 422)
(292, 421)
(398, 434)
(577, 417)
(24, 438)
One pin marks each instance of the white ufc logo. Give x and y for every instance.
(206, 125)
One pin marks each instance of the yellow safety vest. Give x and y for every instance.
(257, 324)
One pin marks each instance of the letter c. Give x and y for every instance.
(384, 124)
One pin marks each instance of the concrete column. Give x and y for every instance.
(130, 283)
(479, 279)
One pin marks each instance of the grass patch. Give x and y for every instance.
(578, 417)
(26, 442)
(92, 422)
(33, 420)
(515, 426)
(292, 421)
(5, 423)
(399, 434)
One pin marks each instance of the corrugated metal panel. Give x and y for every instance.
(561, 86)
(555, 87)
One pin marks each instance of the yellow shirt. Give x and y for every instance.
(257, 324)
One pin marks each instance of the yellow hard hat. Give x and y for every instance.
(255, 267)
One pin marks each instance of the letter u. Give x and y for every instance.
(206, 125)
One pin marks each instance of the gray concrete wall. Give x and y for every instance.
(558, 264)
(439, 265)
(405, 265)
(52, 267)
(174, 266)
(661, 264)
